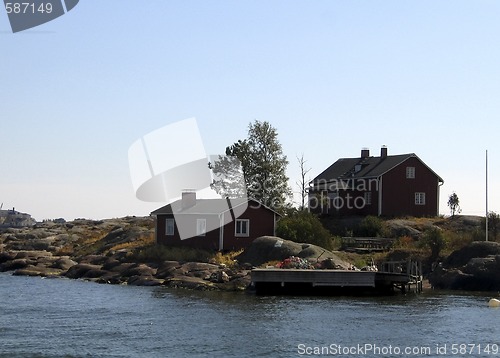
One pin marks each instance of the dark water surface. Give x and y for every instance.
(68, 318)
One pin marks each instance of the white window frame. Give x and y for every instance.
(201, 227)
(242, 234)
(169, 227)
(368, 197)
(420, 198)
(410, 172)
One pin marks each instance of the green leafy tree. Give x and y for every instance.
(228, 180)
(454, 204)
(303, 226)
(263, 164)
(433, 238)
(370, 226)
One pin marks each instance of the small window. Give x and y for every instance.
(410, 172)
(242, 227)
(170, 227)
(201, 227)
(368, 198)
(419, 198)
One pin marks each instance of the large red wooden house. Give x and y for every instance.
(388, 185)
(213, 224)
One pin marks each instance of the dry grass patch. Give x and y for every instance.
(228, 259)
(141, 242)
(160, 253)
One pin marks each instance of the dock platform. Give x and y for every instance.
(392, 276)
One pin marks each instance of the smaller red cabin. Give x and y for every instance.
(213, 224)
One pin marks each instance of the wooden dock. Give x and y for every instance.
(392, 276)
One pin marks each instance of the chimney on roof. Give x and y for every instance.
(188, 199)
(365, 153)
(383, 152)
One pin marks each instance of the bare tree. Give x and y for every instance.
(302, 183)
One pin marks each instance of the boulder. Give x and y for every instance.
(165, 265)
(476, 249)
(63, 263)
(453, 279)
(196, 269)
(80, 270)
(94, 259)
(483, 266)
(94, 273)
(6, 256)
(32, 254)
(121, 255)
(122, 267)
(38, 270)
(110, 263)
(193, 283)
(219, 277)
(14, 265)
(199, 266)
(475, 267)
(139, 270)
(167, 269)
(236, 284)
(271, 248)
(400, 228)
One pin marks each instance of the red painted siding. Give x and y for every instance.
(210, 241)
(351, 201)
(261, 222)
(398, 192)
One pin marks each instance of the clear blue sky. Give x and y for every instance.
(331, 76)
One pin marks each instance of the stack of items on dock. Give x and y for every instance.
(294, 262)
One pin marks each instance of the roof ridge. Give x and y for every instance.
(345, 168)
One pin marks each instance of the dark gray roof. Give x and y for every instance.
(369, 167)
(203, 207)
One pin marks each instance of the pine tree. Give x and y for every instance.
(263, 164)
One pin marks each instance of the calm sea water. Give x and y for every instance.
(68, 318)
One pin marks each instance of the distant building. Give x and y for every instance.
(388, 185)
(213, 224)
(13, 218)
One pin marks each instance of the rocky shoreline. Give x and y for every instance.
(110, 252)
(475, 267)
(105, 251)
(112, 270)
